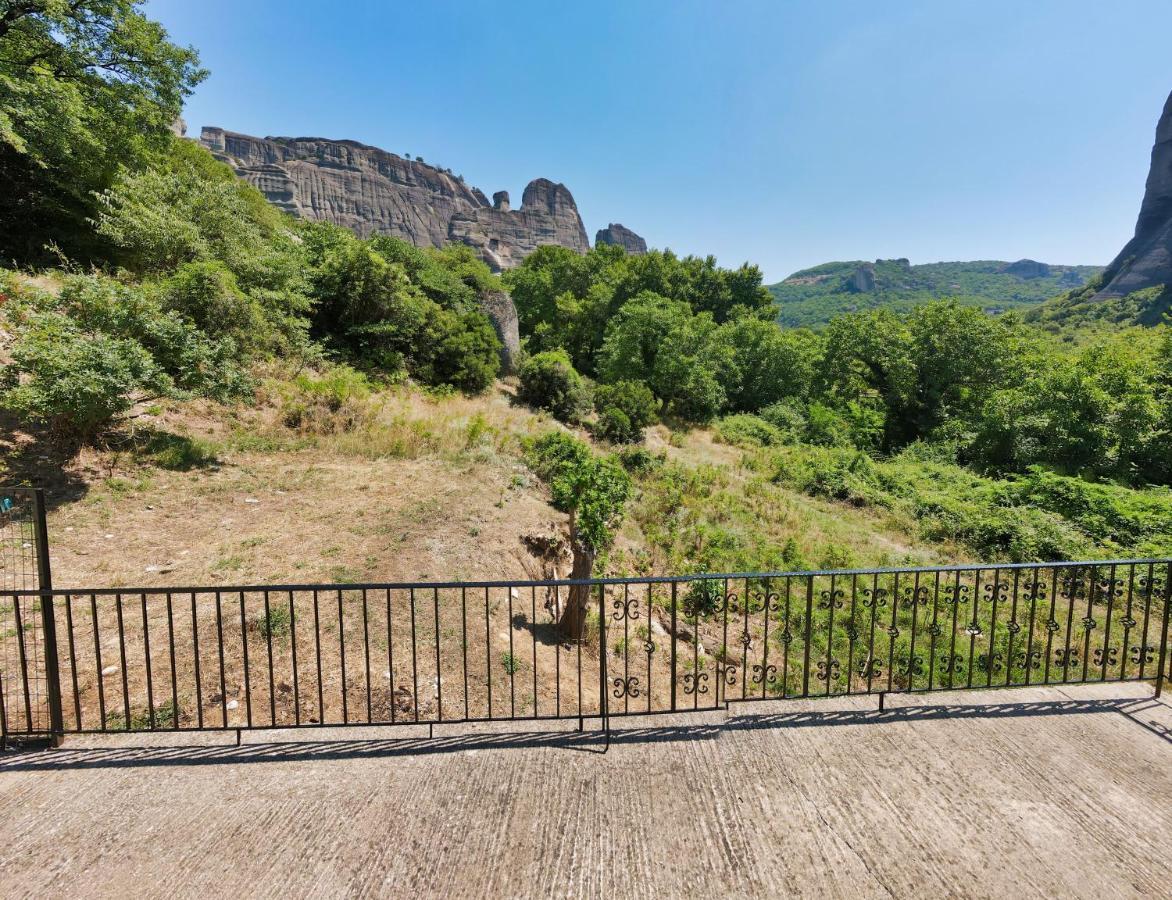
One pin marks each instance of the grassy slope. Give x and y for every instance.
(813, 296)
(433, 488)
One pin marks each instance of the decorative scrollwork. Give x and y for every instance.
(912, 667)
(1053, 627)
(1064, 657)
(870, 668)
(973, 629)
(1110, 655)
(626, 687)
(764, 673)
(1144, 654)
(956, 594)
(770, 601)
(626, 609)
(935, 630)
(1034, 589)
(746, 640)
(852, 633)
(729, 602)
(1030, 660)
(1072, 585)
(951, 663)
(729, 674)
(649, 646)
(874, 597)
(1109, 588)
(996, 591)
(1089, 624)
(989, 663)
(1128, 622)
(913, 596)
(892, 632)
(786, 637)
(829, 671)
(696, 683)
(1013, 626)
(831, 599)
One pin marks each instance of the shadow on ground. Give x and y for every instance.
(596, 741)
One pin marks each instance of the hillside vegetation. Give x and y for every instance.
(812, 297)
(171, 342)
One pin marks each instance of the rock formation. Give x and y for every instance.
(1146, 260)
(372, 191)
(1026, 268)
(499, 308)
(620, 236)
(863, 279)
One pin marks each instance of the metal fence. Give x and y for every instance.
(28, 698)
(276, 656)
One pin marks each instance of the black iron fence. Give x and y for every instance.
(276, 656)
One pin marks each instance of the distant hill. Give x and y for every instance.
(813, 296)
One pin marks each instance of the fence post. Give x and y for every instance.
(1164, 632)
(48, 618)
(673, 643)
(603, 676)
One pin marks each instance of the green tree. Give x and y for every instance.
(549, 381)
(594, 491)
(86, 87)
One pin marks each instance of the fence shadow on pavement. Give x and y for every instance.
(26, 759)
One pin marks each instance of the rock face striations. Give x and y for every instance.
(372, 191)
(620, 236)
(1146, 260)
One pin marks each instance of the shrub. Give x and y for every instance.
(76, 383)
(549, 381)
(745, 430)
(207, 293)
(624, 409)
(334, 402)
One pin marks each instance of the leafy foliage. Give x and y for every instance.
(549, 381)
(86, 88)
(593, 489)
(88, 354)
(624, 410)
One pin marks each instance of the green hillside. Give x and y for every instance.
(812, 297)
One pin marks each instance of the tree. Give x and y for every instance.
(549, 381)
(86, 87)
(594, 491)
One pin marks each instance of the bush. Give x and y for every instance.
(76, 383)
(744, 430)
(85, 356)
(334, 402)
(549, 381)
(624, 410)
(207, 293)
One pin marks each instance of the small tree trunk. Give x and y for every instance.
(573, 621)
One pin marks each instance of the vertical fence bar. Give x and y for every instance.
(48, 618)
(1163, 660)
(673, 646)
(439, 675)
(195, 651)
(150, 686)
(244, 649)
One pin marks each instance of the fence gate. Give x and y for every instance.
(30, 701)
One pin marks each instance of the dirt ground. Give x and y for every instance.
(1029, 793)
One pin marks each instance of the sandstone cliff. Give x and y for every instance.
(621, 236)
(372, 191)
(1146, 260)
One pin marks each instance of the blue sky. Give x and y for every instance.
(786, 133)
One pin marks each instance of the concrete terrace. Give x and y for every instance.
(1029, 792)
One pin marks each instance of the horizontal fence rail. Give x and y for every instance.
(277, 656)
